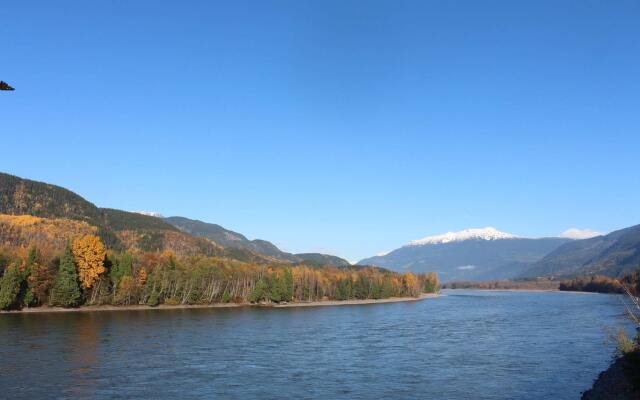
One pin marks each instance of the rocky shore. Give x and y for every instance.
(613, 384)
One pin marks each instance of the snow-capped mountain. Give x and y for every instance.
(478, 254)
(488, 233)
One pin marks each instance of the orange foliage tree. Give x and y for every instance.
(89, 253)
(411, 284)
(142, 277)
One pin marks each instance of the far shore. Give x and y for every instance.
(355, 302)
(508, 290)
(141, 307)
(529, 290)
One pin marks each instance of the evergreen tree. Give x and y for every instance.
(376, 290)
(276, 289)
(287, 281)
(10, 287)
(154, 299)
(27, 293)
(430, 287)
(344, 290)
(66, 291)
(260, 291)
(387, 288)
(361, 289)
(120, 266)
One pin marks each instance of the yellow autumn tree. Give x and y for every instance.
(411, 284)
(89, 253)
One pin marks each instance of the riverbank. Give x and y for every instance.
(140, 307)
(612, 384)
(529, 284)
(512, 290)
(356, 302)
(536, 291)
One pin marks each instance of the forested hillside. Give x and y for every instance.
(58, 249)
(613, 255)
(119, 230)
(23, 196)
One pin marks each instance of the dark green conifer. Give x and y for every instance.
(66, 292)
(10, 287)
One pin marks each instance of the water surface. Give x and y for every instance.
(465, 345)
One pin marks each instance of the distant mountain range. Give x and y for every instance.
(488, 254)
(612, 255)
(472, 254)
(138, 231)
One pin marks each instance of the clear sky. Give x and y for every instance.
(348, 127)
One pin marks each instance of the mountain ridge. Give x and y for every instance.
(233, 239)
(470, 254)
(120, 229)
(612, 254)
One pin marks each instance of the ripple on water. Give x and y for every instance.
(466, 345)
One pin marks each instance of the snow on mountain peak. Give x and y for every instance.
(488, 233)
(149, 213)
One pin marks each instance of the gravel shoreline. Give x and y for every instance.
(140, 307)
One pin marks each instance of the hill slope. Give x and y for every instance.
(49, 233)
(118, 229)
(612, 255)
(476, 254)
(20, 196)
(135, 231)
(26, 197)
(231, 239)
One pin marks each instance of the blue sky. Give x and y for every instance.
(348, 127)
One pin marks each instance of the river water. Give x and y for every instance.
(463, 345)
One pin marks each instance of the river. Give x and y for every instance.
(463, 345)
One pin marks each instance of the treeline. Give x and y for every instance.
(603, 284)
(525, 284)
(597, 283)
(85, 273)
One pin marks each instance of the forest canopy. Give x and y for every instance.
(87, 273)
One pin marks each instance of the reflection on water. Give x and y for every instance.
(84, 356)
(467, 345)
